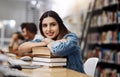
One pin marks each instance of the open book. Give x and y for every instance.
(17, 62)
(22, 63)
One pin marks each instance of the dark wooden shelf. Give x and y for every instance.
(97, 12)
(109, 65)
(104, 28)
(110, 46)
(112, 7)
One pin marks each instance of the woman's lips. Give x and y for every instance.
(50, 34)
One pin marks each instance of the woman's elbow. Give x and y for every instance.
(23, 48)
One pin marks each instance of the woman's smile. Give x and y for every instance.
(50, 34)
(50, 27)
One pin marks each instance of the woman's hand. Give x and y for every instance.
(63, 40)
(47, 40)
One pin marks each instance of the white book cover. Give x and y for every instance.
(49, 64)
(17, 62)
(41, 59)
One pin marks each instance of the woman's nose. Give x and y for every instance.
(48, 28)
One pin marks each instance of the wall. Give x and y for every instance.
(15, 10)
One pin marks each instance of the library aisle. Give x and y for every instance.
(103, 36)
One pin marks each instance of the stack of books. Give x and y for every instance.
(43, 56)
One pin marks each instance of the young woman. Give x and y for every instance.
(58, 39)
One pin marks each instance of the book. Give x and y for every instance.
(22, 63)
(41, 51)
(50, 64)
(40, 59)
(43, 56)
(17, 61)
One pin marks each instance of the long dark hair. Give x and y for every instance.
(62, 29)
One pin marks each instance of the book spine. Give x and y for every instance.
(49, 59)
(49, 64)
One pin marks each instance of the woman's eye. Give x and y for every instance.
(44, 25)
(53, 24)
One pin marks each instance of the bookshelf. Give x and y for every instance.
(103, 37)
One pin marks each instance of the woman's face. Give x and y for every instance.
(50, 27)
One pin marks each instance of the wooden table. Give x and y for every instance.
(52, 72)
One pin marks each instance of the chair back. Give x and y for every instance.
(90, 66)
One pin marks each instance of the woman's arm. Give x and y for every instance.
(27, 46)
(64, 46)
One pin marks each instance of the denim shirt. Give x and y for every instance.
(69, 49)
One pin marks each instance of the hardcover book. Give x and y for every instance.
(40, 59)
(52, 64)
(41, 51)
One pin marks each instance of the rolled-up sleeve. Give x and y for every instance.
(67, 47)
(36, 40)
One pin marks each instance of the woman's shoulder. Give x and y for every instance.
(70, 35)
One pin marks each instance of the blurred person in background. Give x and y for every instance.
(16, 40)
(29, 31)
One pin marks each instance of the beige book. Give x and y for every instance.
(54, 64)
(41, 51)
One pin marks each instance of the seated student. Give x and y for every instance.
(29, 31)
(16, 40)
(58, 39)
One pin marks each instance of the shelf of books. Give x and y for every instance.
(104, 38)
